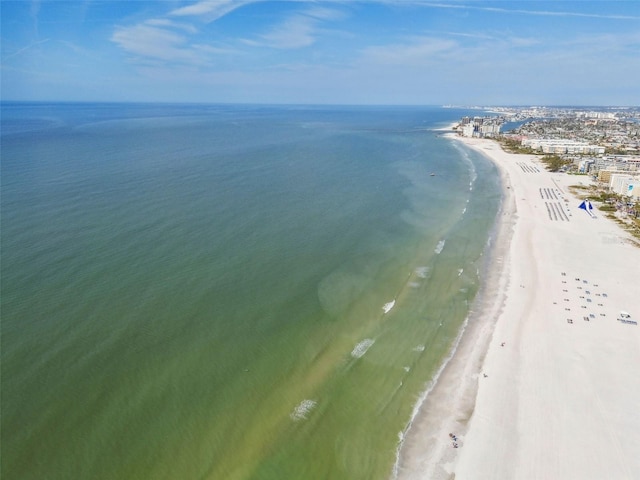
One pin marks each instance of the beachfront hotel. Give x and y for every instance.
(562, 146)
(480, 127)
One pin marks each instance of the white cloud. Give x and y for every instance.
(156, 43)
(163, 39)
(413, 52)
(210, 10)
(546, 13)
(298, 30)
(163, 22)
(323, 13)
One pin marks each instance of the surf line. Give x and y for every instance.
(386, 308)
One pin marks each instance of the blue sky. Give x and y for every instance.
(323, 52)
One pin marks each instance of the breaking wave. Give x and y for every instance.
(388, 306)
(302, 410)
(422, 272)
(361, 348)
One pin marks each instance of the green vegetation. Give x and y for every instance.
(617, 151)
(602, 196)
(580, 187)
(512, 145)
(607, 208)
(555, 163)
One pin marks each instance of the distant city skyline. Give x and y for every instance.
(409, 52)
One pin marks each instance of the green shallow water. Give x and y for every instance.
(198, 292)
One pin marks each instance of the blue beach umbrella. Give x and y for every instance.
(586, 206)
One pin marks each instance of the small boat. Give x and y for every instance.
(432, 174)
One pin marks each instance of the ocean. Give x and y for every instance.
(229, 291)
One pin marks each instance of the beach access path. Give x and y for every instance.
(546, 380)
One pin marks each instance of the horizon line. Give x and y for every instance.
(303, 104)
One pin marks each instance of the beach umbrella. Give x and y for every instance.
(586, 206)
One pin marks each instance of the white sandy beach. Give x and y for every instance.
(545, 383)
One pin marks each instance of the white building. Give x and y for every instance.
(625, 184)
(585, 165)
(619, 183)
(467, 130)
(561, 146)
(633, 190)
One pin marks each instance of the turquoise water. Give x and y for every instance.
(233, 292)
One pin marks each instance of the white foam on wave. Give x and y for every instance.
(473, 174)
(439, 247)
(460, 270)
(422, 272)
(473, 180)
(302, 410)
(419, 348)
(388, 306)
(464, 210)
(361, 348)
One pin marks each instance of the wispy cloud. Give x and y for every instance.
(479, 36)
(79, 50)
(178, 36)
(324, 13)
(156, 43)
(414, 51)
(168, 40)
(25, 49)
(495, 38)
(163, 22)
(210, 10)
(548, 13)
(298, 30)
(293, 34)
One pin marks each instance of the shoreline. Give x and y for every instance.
(427, 452)
(495, 389)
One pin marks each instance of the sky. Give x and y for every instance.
(380, 52)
